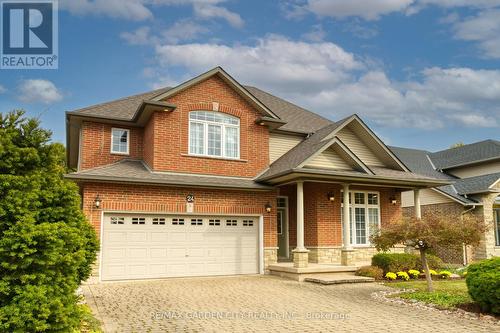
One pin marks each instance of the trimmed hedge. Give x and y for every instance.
(483, 283)
(394, 262)
(371, 271)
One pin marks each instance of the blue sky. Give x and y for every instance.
(421, 73)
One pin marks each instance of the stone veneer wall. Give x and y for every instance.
(332, 255)
(487, 248)
(270, 256)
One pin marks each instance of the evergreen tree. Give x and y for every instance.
(46, 247)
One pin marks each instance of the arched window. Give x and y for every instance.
(214, 134)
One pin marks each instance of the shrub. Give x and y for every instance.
(432, 272)
(433, 262)
(483, 283)
(413, 273)
(371, 271)
(46, 244)
(445, 274)
(391, 276)
(403, 276)
(394, 261)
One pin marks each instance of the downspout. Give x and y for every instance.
(464, 247)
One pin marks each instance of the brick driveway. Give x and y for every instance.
(259, 304)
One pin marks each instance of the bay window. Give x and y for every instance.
(364, 210)
(214, 134)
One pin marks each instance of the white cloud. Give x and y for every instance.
(369, 10)
(483, 28)
(273, 61)
(39, 91)
(141, 36)
(126, 9)
(327, 79)
(2, 89)
(139, 10)
(317, 34)
(183, 30)
(208, 11)
(373, 10)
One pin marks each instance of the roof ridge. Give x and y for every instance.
(286, 101)
(123, 99)
(466, 145)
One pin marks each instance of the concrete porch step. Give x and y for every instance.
(337, 278)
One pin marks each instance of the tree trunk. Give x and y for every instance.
(426, 270)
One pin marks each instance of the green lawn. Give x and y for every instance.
(447, 294)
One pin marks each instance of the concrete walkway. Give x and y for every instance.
(260, 304)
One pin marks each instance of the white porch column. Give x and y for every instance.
(347, 219)
(416, 203)
(300, 216)
(347, 255)
(300, 253)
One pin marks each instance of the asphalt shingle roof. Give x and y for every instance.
(467, 154)
(123, 108)
(135, 171)
(478, 184)
(419, 161)
(297, 119)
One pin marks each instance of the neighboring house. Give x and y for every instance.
(212, 178)
(474, 171)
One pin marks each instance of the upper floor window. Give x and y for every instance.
(214, 134)
(120, 140)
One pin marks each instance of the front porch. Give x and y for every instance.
(314, 240)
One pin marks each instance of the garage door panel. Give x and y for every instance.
(159, 237)
(116, 236)
(161, 246)
(137, 236)
(159, 253)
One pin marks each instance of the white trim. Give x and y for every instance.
(261, 244)
(80, 141)
(101, 226)
(370, 132)
(260, 231)
(494, 184)
(128, 141)
(342, 146)
(287, 224)
(366, 206)
(222, 126)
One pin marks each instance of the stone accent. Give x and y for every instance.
(333, 255)
(270, 257)
(324, 255)
(300, 258)
(347, 257)
(487, 248)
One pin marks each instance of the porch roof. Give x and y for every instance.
(381, 176)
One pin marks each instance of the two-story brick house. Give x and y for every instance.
(474, 173)
(215, 178)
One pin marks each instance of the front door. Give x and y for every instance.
(282, 227)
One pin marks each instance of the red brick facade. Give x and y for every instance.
(322, 218)
(96, 145)
(160, 199)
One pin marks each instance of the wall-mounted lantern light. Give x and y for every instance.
(393, 200)
(97, 201)
(331, 196)
(268, 207)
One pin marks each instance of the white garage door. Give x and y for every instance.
(154, 246)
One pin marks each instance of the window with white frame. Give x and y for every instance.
(365, 216)
(120, 140)
(214, 134)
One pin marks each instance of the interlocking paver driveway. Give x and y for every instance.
(260, 304)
